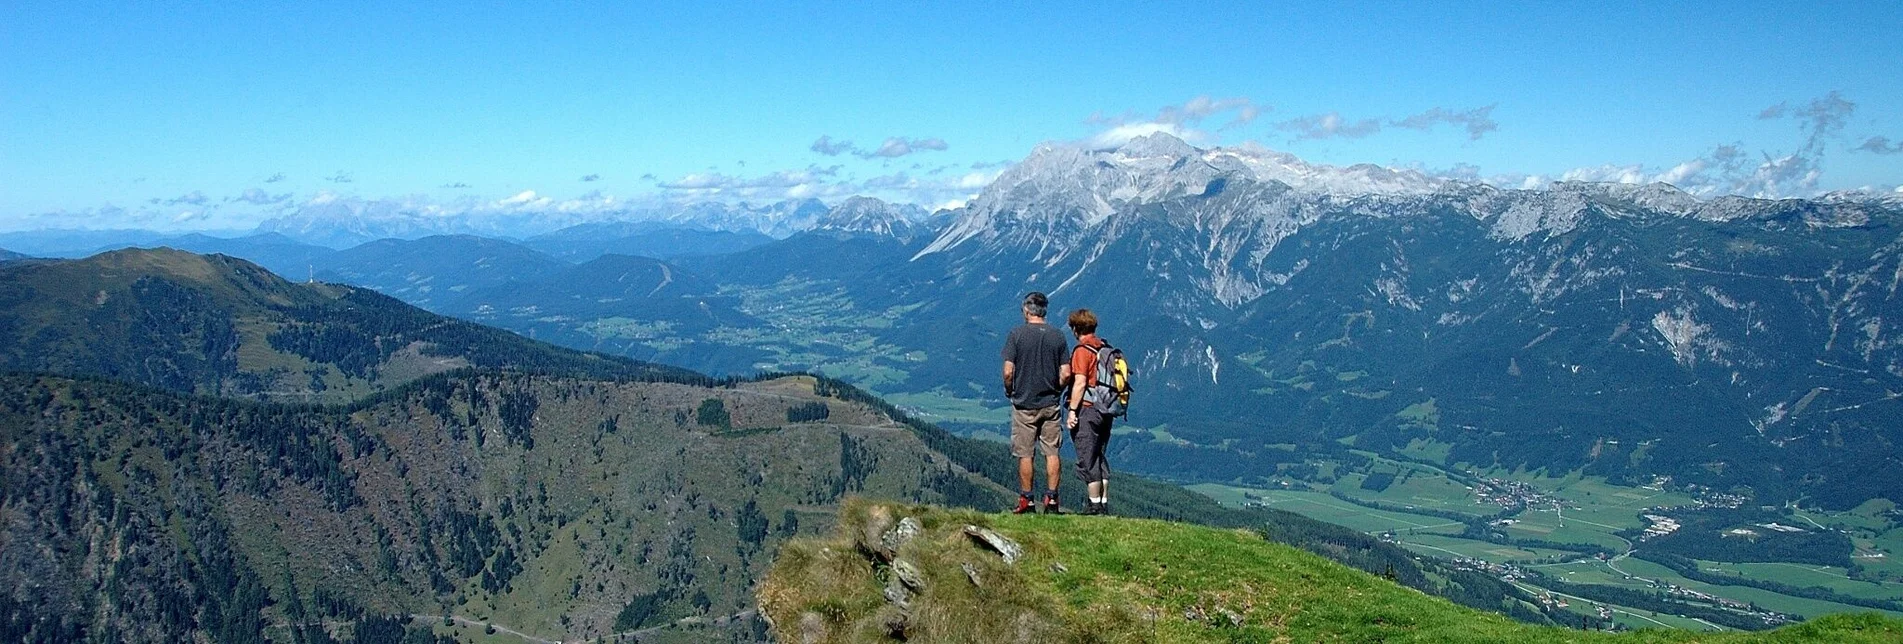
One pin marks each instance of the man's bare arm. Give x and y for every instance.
(1010, 371)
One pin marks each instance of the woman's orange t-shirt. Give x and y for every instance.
(1085, 362)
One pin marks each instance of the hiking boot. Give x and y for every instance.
(1093, 508)
(1050, 504)
(1103, 508)
(1024, 504)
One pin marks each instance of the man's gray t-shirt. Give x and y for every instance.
(1037, 351)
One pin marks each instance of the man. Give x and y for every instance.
(1034, 377)
(1089, 429)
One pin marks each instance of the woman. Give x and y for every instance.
(1089, 429)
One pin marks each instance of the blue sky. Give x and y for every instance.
(217, 115)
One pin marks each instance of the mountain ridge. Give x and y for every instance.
(219, 325)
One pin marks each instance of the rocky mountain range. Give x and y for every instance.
(1633, 331)
(342, 223)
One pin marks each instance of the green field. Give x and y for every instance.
(1629, 617)
(1592, 511)
(1327, 508)
(1448, 546)
(1421, 489)
(1833, 578)
(940, 406)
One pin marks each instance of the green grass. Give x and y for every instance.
(1101, 579)
(943, 406)
(1795, 574)
(1428, 450)
(1422, 413)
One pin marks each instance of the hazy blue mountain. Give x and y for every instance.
(212, 324)
(56, 242)
(645, 239)
(435, 270)
(777, 220)
(8, 256)
(633, 306)
(344, 222)
(283, 255)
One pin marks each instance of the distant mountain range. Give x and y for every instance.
(1628, 330)
(342, 223)
(1631, 331)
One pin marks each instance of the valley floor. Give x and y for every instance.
(1548, 544)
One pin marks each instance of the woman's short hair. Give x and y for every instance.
(1083, 321)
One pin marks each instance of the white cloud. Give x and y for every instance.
(950, 204)
(1477, 121)
(1684, 171)
(520, 198)
(1117, 136)
(193, 198)
(1180, 120)
(1879, 145)
(1725, 170)
(1819, 119)
(977, 179)
(891, 148)
(258, 197)
(825, 145)
(899, 146)
(1329, 126)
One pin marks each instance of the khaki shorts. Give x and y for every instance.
(1034, 426)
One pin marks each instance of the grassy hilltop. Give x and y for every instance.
(1107, 579)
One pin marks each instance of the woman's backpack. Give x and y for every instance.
(1110, 395)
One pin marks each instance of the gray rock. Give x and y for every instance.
(971, 572)
(812, 628)
(896, 594)
(871, 534)
(908, 574)
(907, 529)
(1004, 546)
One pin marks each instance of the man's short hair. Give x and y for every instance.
(1083, 321)
(1036, 304)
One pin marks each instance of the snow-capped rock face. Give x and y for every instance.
(341, 223)
(1064, 205)
(869, 216)
(778, 220)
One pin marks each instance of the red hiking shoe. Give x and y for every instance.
(1024, 505)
